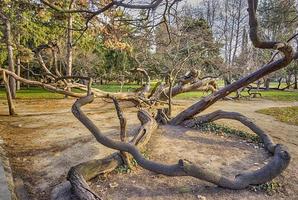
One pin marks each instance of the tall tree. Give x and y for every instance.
(5, 18)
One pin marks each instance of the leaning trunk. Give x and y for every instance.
(211, 99)
(11, 107)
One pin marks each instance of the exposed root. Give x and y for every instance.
(79, 174)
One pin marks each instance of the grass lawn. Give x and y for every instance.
(276, 95)
(288, 115)
(273, 95)
(39, 93)
(33, 93)
(192, 95)
(117, 87)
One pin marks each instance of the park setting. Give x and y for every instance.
(148, 99)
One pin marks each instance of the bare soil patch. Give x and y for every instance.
(45, 140)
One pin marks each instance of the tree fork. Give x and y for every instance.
(78, 175)
(276, 166)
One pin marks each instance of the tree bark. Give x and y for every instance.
(10, 58)
(78, 175)
(296, 81)
(11, 107)
(280, 161)
(18, 87)
(267, 84)
(170, 94)
(279, 83)
(18, 84)
(69, 50)
(69, 41)
(211, 99)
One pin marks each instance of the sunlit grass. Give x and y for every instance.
(33, 93)
(192, 95)
(277, 95)
(117, 87)
(39, 93)
(288, 115)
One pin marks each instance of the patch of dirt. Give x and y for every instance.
(45, 140)
(220, 154)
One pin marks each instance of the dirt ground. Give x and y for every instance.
(45, 140)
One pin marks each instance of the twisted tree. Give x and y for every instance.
(80, 174)
(83, 172)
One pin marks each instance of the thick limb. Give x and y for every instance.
(268, 68)
(78, 175)
(279, 162)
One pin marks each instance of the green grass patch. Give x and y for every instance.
(117, 87)
(219, 129)
(276, 95)
(123, 169)
(192, 95)
(269, 188)
(33, 93)
(288, 115)
(39, 93)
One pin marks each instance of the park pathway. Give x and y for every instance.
(45, 140)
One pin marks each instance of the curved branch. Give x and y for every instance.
(122, 119)
(184, 168)
(113, 3)
(145, 88)
(219, 114)
(253, 24)
(286, 49)
(170, 170)
(43, 85)
(53, 88)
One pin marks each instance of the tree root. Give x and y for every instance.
(280, 161)
(81, 173)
